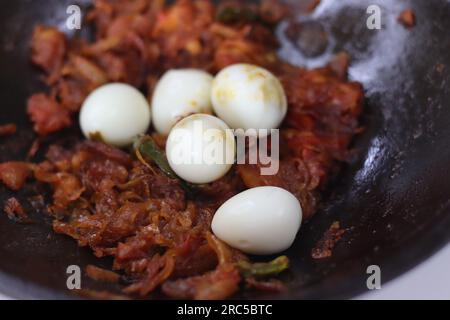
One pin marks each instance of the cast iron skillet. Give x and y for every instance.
(394, 199)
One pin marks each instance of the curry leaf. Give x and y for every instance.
(263, 269)
(150, 150)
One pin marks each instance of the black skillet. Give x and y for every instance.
(394, 199)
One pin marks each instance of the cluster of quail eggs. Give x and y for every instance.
(191, 107)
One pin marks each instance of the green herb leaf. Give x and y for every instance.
(263, 269)
(150, 150)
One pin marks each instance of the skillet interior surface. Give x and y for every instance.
(394, 200)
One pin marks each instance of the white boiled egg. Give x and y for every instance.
(116, 112)
(249, 97)
(201, 148)
(262, 221)
(180, 93)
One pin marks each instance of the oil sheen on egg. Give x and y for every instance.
(180, 93)
(201, 149)
(116, 113)
(260, 221)
(249, 97)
